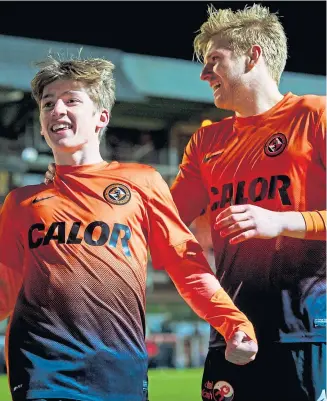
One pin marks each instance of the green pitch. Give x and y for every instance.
(165, 385)
(4, 390)
(175, 385)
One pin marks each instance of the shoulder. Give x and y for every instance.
(141, 177)
(136, 172)
(22, 195)
(215, 128)
(211, 135)
(311, 104)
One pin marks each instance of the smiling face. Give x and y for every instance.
(225, 72)
(68, 115)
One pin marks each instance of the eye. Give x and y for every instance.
(214, 58)
(47, 105)
(73, 101)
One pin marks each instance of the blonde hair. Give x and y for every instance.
(254, 25)
(95, 73)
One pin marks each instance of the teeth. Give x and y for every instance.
(57, 127)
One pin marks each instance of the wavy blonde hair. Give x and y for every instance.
(96, 74)
(254, 25)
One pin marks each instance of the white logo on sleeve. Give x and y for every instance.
(322, 396)
(17, 387)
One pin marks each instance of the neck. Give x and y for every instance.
(87, 155)
(257, 99)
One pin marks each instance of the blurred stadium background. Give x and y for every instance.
(151, 123)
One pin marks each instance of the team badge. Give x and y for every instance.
(223, 391)
(117, 194)
(275, 145)
(219, 391)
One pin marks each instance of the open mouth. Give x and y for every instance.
(216, 86)
(60, 127)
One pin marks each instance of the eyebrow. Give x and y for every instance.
(209, 55)
(50, 95)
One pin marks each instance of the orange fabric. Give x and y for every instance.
(277, 161)
(69, 231)
(197, 284)
(230, 318)
(315, 224)
(220, 151)
(88, 233)
(11, 273)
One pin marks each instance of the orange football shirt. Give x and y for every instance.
(275, 160)
(79, 246)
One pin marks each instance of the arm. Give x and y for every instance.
(244, 222)
(309, 224)
(249, 221)
(189, 193)
(305, 225)
(11, 258)
(202, 291)
(173, 246)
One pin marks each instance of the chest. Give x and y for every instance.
(94, 215)
(256, 164)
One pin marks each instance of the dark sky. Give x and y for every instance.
(159, 28)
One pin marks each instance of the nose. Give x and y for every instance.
(206, 73)
(59, 108)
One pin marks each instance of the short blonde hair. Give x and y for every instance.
(254, 25)
(95, 73)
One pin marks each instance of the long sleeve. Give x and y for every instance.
(11, 258)
(188, 190)
(174, 248)
(201, 290)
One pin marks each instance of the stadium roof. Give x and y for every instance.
(137, 76)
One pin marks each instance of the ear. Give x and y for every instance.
(103, 119)
(254, 56)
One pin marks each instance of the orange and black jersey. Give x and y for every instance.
(276, 160)
(73, 273)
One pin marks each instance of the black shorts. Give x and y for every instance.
(280, 372)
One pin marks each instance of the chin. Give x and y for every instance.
(221, 104)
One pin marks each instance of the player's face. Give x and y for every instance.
(68, 115)
(224, 72)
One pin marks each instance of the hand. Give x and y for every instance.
(248, 221)
(241, 349)
(50, 174)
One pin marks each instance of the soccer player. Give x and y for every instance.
(262, 176)
(73, 256)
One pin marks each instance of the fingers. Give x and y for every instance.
(242, 354)
(52, 168)
(240, 349)
(238, 338)
(240, 226)
(50, 174)
(243, 236)
(231, 219)
(235, 209)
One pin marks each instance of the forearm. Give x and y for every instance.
(304, 225)
(201, 290)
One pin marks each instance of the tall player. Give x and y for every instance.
(73, 256)
(262, 174)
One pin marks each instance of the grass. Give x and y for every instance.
(175, 385)
(4, 389)
(165, 385)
